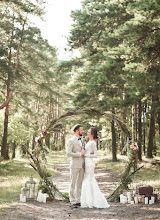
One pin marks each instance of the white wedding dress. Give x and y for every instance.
(91, 195)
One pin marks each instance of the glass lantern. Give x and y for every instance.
(25, 191)
(31, 185)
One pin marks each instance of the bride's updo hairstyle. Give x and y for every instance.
(94, 133)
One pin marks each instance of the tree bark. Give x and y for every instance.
(154, 143)
(133, 124)
(7, 101)
(4, 148)
(140, 130)
(33, 142)
(122, 143)
(151, 134)
(114, 145)
(144, 128)
(158, 121)
(135, 121)
(63, 137)
(13, 149)
(158, 114)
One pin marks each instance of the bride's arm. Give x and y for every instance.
(94, 152)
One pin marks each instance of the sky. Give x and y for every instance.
(57, 24)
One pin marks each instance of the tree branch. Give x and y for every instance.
(90, 112)
(7, 101)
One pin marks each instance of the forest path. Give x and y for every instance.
(59, 210)
(106, 180)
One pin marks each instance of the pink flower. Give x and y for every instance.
(132, 146)
(38, 140)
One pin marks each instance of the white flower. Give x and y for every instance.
(36, 139)
(43, 127)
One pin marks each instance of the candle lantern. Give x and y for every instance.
(31, 185)
(25, 191)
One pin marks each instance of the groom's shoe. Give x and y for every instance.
(74, 206)
(78, 204)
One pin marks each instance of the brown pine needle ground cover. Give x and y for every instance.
(13, 175)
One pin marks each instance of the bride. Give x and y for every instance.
(91, 195)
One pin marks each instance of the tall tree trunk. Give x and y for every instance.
(114, 146)
(23, 150)
(55, 137)
(33, 142)
(7, 101)
(47, 139)
(151, 133)
(63, 137)
(13, 150)
(158, 115)
(136, 124)
(140, 131)
(5, 148)
(122, 135)
(133, 124)
(158, 121)
(122, 144)
(134, 131)
(144, 140)
(154, 143)
(144, 128)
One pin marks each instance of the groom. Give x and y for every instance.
(76, 152)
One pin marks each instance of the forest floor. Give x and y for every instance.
(59, 210)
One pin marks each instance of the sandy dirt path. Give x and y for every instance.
(59, 210)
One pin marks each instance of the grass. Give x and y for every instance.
(14, 173)
(105, 160)
(57, 157)
(148, 175)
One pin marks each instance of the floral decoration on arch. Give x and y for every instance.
(39, 139)
(39, 146)
(134, 146)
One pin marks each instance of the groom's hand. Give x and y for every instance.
(83, 152)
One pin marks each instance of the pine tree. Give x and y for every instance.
(119, 50)
(14, 21)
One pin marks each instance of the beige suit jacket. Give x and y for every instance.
(74, 147)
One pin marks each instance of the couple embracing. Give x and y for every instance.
(84, 190)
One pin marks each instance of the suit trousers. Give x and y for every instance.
(76, 176)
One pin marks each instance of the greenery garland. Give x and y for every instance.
(132, 150)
